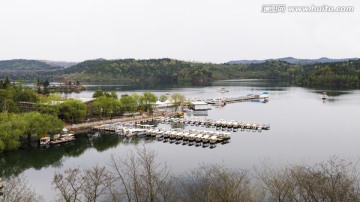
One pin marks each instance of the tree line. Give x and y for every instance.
(48, 113)
(170, 71)
(345, 73)
(138, 176)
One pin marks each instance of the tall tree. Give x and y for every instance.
(128, 103)
(11, 129)
(148, 101)
(17, 189)
(6, 82)
(72, 111)
(40, 124)
(105, 106)
(177, 100)
(98, 93)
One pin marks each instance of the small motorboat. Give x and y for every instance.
(223, 90)
(45, 140)
(324, 96)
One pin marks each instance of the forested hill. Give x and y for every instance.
(152, 70)
(294, 60)
(175, 71)
(26, 65)
(345, 73)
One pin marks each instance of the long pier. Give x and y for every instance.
(87, 126)
(240, 98)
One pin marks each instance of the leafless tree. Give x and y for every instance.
(277, 182)
(141, 178)
(333, 180)
(96, 182)
(16, 189)
(69, 185)
(217, 183)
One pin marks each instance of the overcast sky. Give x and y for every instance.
(193, 30)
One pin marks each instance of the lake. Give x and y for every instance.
(304, 129)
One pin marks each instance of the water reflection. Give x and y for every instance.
(16, 162)
(303, 129)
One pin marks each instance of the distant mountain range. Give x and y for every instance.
(293, 60)
(23, 64)
(305, 72)
(64, 64)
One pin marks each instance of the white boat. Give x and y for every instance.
(219, 123)
(45, 140)
(173, 134)
(185, 135)
(205, 138)
(192, 137)
(325, 96)
(219, 102)
(135, 132)
(264, 95)
(198, 138)
(179, 135)
(64, 138)
(199, 106)
(213, 139)
(222, 90)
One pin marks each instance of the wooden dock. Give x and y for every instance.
(88, 126)
(240, 98)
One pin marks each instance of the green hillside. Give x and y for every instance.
(153, 70)
(170, 71)
(26, 65)
(175, 71)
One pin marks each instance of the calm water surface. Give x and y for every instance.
(304, 129)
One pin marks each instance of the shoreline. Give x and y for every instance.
(85, 127)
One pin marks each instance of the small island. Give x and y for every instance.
(45, 87)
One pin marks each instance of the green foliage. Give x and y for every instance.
(11, 130)
(49, 104)
(113, 95)
(175, 71)
(41, 124)
(163, 98)
(72, 111)
(6, 83)
(105, 106)
(14, 126)
(99, 93)
(12, 94)
(332, 74)
(29, 65)
(128, 103)
(148, 100)
(27, 69)
(153, 70)
(177, 100)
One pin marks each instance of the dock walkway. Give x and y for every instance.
(134, 119)
(240, 98)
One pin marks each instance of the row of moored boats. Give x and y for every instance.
(219, 124)
(137, 130)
